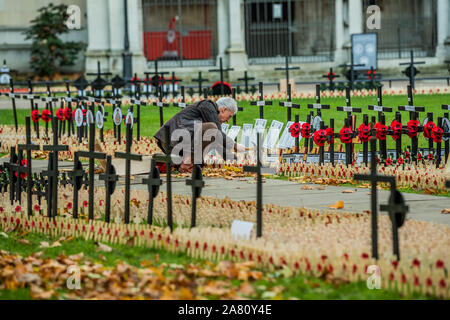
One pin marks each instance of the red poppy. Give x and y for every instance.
(407, 154)
(330, 133)
(381, 131)
(436, 134)
(60, 114)
(428, 128)
(306, 130)
(419, 157)
(162, 167)
(319, 137)
(2, 210)
(46, 115)
(400, 161)
(439, 264)
(416, 263)
(37, 208)
(346, 135)
(388, 161)
(85, 203)
(396, 128)
(67, 113)
(430, 157)
(294, 129)
(69, 205)
(35, 116)
(364, 133)
(413, 126)
(18, 209)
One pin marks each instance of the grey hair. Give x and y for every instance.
(228, 103)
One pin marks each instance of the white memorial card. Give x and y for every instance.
(233, 132)
(260, 125)
(273, 134)
(241, 229)
(246, 134)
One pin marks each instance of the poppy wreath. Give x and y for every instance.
(319, 137)
(436, 134)
(396, 128)
(295, 129)
(306, 130)
(35, 116)
(364, 133)
(60, 114)
(413, 126)
(381, 131)
(428, 128)
(330, 133)
(346, 135)
(46, 115)
(67, 113)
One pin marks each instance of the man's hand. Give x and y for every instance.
(186, 165)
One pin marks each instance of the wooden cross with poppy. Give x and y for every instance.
(288, 104)
(331, 76)
(261, 103)
(161, 105)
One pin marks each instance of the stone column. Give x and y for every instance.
(339, 54)
(98, 35)
(116, 36)
(237, 56)
(135, 34)
(222, 29)
(355, 24)
(443, 30)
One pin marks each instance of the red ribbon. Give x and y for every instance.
(319, 137)
(35, 115)
(381, 131)
(46, 115)
(413, 126)
(364, 133)
(295, 129)
(346, 135)
(428, 128)
(306, 130)
(436, 134)
(396, 127)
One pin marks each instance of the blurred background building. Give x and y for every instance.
(187, 36)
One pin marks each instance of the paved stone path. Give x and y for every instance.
(286, 193)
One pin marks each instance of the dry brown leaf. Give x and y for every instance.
(103, 247)
(338, 205)
(321, 188)
(246, 289)
(348, 191)
(306, 187)
(24, 241)
(445, 211)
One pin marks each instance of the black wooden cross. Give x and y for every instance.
(261, 103)
(381, 118)
(286, 69)
(233, 94)
(430, 140)
(318, 106)
(197, 184)
(161, 105)
(20, 168)
(153, 183)
(49, 99)
(413, 115)
(52, 172)
(331, 76)
(40, 186)
(28, 146)
(349, 109)
(411, 71)
(221, 71)
(374, 178)
(257, 169)
(157, 75)
(447, 140)
(181, 104)
(288, 104)
(31, 97)
(99, 83)
(167, 159)
(116, 104)
(77, 181)
(138, 104)
(81, 84)
(91, 155)
(13, 100)
(172, 81)
(246, 79)
(397, 210)
(128, 156)
(110, 177)
(352, 66)
(200, 80)
(117, 84)
(69, 100)
(12, 167)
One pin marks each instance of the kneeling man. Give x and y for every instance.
(205, 116)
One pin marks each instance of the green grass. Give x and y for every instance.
(150, 114)
(294, 287)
